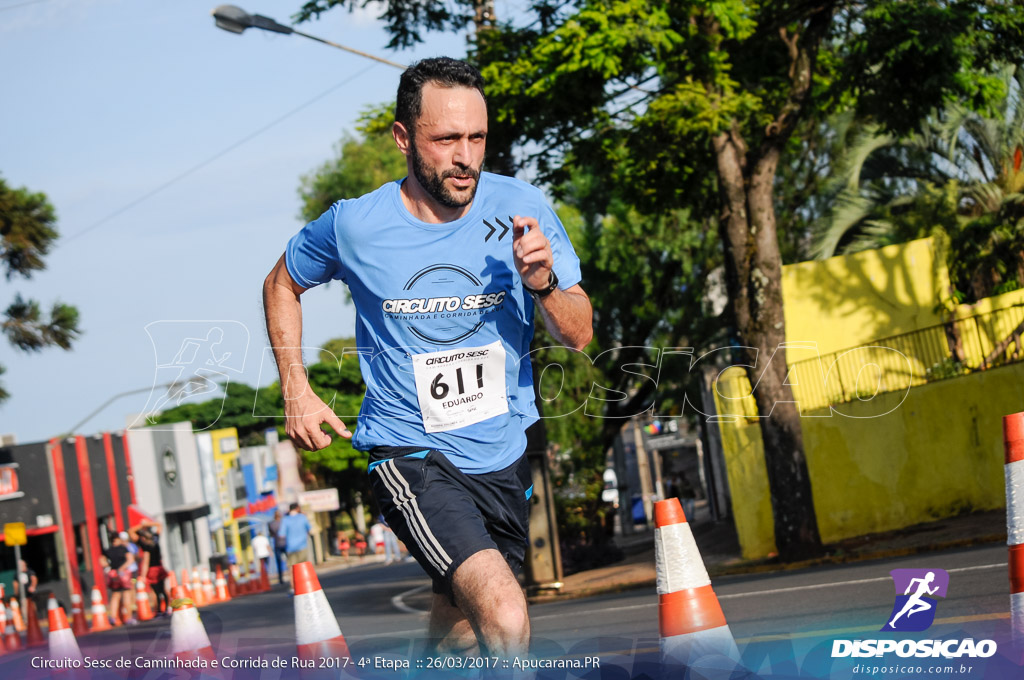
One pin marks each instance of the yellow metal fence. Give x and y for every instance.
(895, 363)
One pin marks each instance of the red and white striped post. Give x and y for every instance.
(1013, 442)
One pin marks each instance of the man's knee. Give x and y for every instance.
(489, 594)
(508, 621)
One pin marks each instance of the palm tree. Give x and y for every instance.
(960, 176)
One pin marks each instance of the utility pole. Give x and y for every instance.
(643, 468)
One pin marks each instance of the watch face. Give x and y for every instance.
(546, 290)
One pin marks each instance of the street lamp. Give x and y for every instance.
(235, 20)
(170, 386)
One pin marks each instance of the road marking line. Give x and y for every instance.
(952, 620)
(398, 601)
(854, 582)
(773, 591)
(757, 638)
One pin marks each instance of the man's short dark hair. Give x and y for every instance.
(293, 506)
(442, 71)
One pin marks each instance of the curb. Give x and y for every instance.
(762, 567)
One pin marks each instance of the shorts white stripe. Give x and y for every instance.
(406, 502)
(422, 521)
(400, 501)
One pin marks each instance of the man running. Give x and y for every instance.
(446, 269)
(915, 604)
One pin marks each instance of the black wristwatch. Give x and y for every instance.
(546, 290)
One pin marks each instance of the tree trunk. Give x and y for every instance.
(754, 279)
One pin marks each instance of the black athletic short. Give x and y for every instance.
(444, 515)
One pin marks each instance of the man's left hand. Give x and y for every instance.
(531, 251)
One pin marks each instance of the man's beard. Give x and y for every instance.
(434, 184)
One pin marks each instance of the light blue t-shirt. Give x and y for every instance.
(294, 530)
(437, 305)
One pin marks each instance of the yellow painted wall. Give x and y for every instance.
(851, 300)
(937, 453)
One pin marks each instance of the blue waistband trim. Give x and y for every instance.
(418, 454)
(529, 492)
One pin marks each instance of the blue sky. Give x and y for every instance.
(109, 100)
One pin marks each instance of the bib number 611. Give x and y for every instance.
(439, 389)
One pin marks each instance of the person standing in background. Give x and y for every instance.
(27, 579)
(377, 538)
(279, 553)
(261, 548)
(295, 529)
(146, 535)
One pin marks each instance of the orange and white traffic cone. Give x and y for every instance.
(185, 583)
(234, 590)
(125, 615)
(15, 616)
(198, 594)
(209, 592)
(316, 629)
(3, 624)
(264, 577)
(33, 633)
(143, 612)
(693, 628)
(63, 644)
(1013, 444)
(99, 612)
(11, 638)
(243, 581)
(222, 586)
(247, 580)
(254, 579)
(78, 624)
(189, 640)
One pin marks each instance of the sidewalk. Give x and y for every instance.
(720, 550)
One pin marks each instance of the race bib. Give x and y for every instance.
(460, 387)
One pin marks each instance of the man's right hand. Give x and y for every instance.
(303, 417)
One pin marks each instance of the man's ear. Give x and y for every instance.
(402, 137)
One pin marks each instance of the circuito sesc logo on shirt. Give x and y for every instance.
(437, 308)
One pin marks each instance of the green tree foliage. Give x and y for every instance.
(28, 230)
(252, 411)
(689, 104)
(705, 99)
(960, 176)
(649, 299)
(404, 18)
(361, 164)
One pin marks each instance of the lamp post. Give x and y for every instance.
(235, 20)
(170, 386)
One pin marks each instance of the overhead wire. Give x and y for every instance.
(22, 4)
(223, 152)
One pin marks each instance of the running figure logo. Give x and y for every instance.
(193, 358)
(916, 590)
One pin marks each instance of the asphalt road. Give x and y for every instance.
(784, 622)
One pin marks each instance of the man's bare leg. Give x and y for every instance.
(491, 611)
(450, 628)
